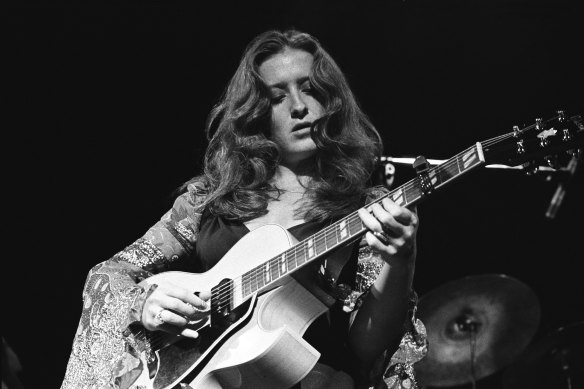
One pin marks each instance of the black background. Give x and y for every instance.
(108, 101)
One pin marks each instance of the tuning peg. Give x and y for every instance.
(566, 134)
(516, 132)
(520, 146)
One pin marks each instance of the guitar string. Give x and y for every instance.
(319, 238)
(224, 292)
(258, 272)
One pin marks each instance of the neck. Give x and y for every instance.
(293, 178)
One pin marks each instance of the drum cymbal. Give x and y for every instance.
(492, 316)
(556, 361)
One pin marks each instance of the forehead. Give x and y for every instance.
(287, 66)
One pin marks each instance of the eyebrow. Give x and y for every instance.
(283, 84)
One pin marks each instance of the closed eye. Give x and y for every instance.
(277, 99)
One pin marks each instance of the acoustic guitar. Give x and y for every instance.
(252, 337)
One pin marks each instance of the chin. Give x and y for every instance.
(299, 156)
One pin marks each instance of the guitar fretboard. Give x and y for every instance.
(349, 228)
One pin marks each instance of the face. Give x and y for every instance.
(294, 106)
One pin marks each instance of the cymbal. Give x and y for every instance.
(556, 361)
(495, 313)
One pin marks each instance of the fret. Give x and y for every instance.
(310, 248)
(260, 277)
(398, 196)
(355, 225)
(274, 269)
(330, 237)
(267, 272)
(413, 192)
(299, 255)
(434, 175)
(458, 165)
(283, 268)
(469, 159)
(320, 242)
(247, 285)
(291, 259)
(448, 171)
(343, 230)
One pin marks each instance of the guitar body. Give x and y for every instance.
(262, 347)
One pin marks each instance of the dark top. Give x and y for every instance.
(328, 332)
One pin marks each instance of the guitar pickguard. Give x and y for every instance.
(184, 359)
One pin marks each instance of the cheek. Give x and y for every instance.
(317, 108)
(277, 122)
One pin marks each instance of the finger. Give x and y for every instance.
(204, 295)
(188, 297)
(165, 318)
(369, 221)
(401, 214)
(179, 307)
(182, 331)
(378, 245)
(388, 223)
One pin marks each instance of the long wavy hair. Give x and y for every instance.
(241, 158)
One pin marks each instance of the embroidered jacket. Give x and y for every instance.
(106, 353)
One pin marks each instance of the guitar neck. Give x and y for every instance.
(350, 228)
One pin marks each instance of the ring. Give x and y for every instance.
(159, 316)
(382, 236)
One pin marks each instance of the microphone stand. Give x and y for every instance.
(567, 173)
(560, 192)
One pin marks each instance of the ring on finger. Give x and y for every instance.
(159, 316)
(382, 237)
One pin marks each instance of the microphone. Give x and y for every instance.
(560, 192)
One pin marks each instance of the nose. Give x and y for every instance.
(298, 110)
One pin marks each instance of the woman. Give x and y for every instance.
(288, 145)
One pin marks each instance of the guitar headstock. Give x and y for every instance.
(551, 142)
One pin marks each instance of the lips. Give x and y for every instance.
(301, 126)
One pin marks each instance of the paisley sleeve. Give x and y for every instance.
(392, 371)
(108, 351)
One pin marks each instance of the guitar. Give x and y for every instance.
(253, 335)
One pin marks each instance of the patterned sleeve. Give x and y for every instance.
(107, 352)
(392, 371)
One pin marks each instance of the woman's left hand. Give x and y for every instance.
(392, 230)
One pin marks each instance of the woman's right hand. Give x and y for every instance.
(173, 309)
